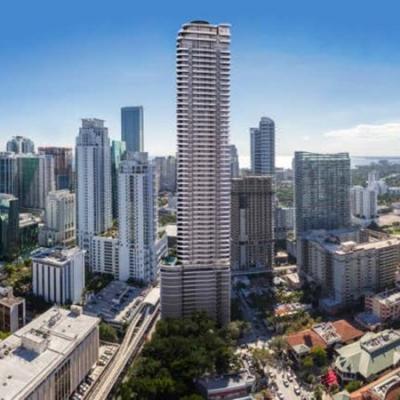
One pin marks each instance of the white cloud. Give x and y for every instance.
(365, 140)
(370, 133)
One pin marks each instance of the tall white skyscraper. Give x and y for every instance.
(201, 281)
(93, 181)
(262, 147)
(137, 219)
(20, 145)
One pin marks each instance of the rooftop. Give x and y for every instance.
(371, 355)
(35, 350)
(325, 334)
(55, 255)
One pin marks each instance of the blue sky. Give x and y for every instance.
(328, 73)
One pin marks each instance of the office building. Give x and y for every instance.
(132, 128)
(93, 190)
(349, 264)
(117, 152)
(322, 191)
(62, 165)
(8, 173)
(35, 180)
(252, 230)
(364, 203)
(59, 227)
(201, 282)
(262, 147)
(137, 222)
(165, 173)
(20, 145)
(9, 227)
(284, 222)
(28, 231)
(49, 357)
(58, 275)
(12, 310)
(235, 169)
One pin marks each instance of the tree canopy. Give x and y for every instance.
(179, 352)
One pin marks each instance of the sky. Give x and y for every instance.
(328, 73)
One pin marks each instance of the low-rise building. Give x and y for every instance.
(385, 305)
(325, 335)
(227, 387)
(12, 310)
(364, 203)
(49, 357)
(104, 254)
(58, 275)
(369, 357)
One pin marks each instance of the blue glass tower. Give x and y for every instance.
(132, 128)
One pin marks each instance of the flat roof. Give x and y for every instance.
(22, 369)
(55, 255)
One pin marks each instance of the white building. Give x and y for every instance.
(349, 267)
(20, 145)
(203, 175)
(93, 182)
(105, 254)
(364, 203)
(49, 357)
(59, 219)
(137, 219)
(58, 275)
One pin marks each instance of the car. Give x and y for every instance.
(289, 378)
(281, 396)
(286, 383)
(297, 390)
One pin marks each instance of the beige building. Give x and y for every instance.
(12, 311)
(385, 305)
(48, 358)
(348, 269)
(202, 281)
(252, 232)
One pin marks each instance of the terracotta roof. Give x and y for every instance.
(307, 337)
(346, 331)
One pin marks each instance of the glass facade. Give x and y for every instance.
(132, 128)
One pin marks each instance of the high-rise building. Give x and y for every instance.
(117, 152)
(50, 357)
(347, 267)
(234, 162)
(93, 178)
(20, 145)
(62, 165)
(9, 227)
(35, 180)
(59, 225)
(137, 219)
(8, 173)
(262, 147)
(252, 231)
(364, 203)
(58, 275)
(201, 282)
(322, 191)
(165, 170)
(132, 128)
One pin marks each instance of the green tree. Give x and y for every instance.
(308, 362)
(319, 355)
(108, 333)
(352, 386)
